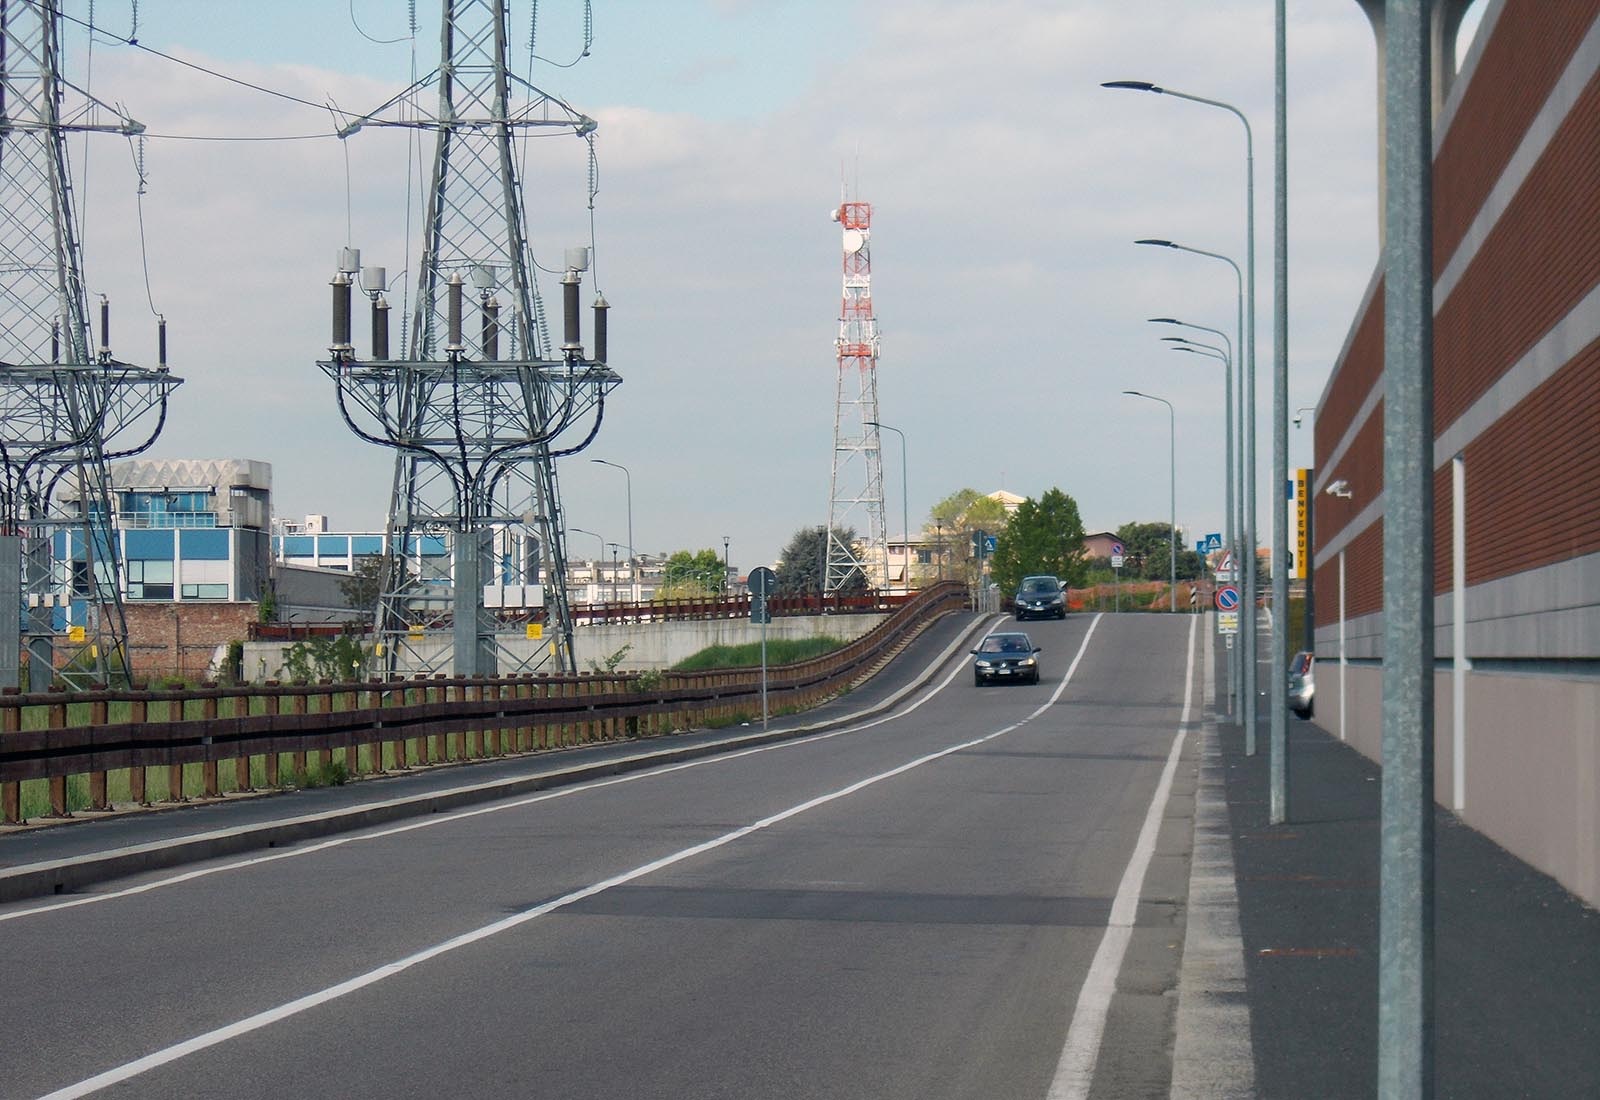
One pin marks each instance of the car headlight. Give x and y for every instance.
(983, 664)
(1028, 663)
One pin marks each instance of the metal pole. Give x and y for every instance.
(905, 497)
(1172, 502)
(1405, 908)
(629, 477)
(1279, 730)
(764, 669)
(1460, 664)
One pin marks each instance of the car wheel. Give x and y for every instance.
(1302, 713)
(977, 681)
(1035, 679)
(1062, 614)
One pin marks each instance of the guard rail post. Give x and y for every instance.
(455, 692)
(208, 767)
(58, 783)
(11, 790)
(297, 707)
(99, 795)
(271, 704)
(385, 698)
(241, 763)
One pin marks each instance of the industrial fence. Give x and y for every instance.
(97, 749)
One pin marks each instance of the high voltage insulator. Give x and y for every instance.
(474, 514)
(65, 404)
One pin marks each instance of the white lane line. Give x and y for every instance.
(1075, 1071)
(260, 1020)
(461, 815)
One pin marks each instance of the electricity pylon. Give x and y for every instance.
(66, 407)
(475, 434)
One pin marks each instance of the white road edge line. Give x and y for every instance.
(372, 977)
(461, 815)
(1081, 1050)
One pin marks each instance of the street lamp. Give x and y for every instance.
(905, 496)
(1172, 461)
(1243, 560)
(599, 554)
(725, 541)
(1302, 409)
(626, 474)
(1248, 430)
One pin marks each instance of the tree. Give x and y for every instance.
(362, 586)
(1043, 536)
(1146, 546)
(800, 568)
(693, 574)
(959, 515)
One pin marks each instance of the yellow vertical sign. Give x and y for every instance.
(1302, 541)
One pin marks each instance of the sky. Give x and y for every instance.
(1007, 189)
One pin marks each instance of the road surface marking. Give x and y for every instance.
(1075, 1071)
(223, 1034)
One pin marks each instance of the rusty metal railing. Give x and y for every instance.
(86, 746)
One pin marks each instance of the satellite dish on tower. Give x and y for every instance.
(833, 215)
(853, 240)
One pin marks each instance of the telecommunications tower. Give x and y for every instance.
(67, 405)
(480, 405)
(856, 490)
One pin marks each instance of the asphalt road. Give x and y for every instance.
(917, 906)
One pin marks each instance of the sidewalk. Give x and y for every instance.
(1517, 958)
(92, 848)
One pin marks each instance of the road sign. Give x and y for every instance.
(1228, 624)
(1227, 561)
(1116, 561)
(990, 542)
(1227, 598)
(1116, 549)
(1213, 542)
(763, 581)
(760, 610)
(1300, 562)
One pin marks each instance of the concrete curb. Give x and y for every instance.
(63, 875)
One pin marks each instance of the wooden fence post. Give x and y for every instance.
(271, 704)
(58, 783)
(99, 798)
(208, 767)
(11, 792)
(241, 762)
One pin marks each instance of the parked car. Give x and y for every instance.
(1041, 596)
(1006, 656)
(1302, 685)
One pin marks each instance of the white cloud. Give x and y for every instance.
(1008, 188)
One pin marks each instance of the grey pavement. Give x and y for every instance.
(1517, 958)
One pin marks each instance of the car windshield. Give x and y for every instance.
(1005, 643)
(1039, 585)
(1300, 665)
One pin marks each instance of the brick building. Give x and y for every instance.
(1516, 463)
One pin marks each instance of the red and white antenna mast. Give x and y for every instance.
(856, 493)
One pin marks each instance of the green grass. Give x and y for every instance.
(780, 651)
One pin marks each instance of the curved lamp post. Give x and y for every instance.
(626, 474)
(905, 497)
(1172, 462)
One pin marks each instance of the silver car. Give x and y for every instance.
(1302, 684)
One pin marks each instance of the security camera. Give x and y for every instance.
(1340, 489)
(1297, 421)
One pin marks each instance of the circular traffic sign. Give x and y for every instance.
(1227, 597)
(763, 581)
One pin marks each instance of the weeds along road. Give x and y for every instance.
(915, 906)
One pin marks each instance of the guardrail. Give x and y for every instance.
(161, 746)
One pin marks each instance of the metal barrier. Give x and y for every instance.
(327, 731)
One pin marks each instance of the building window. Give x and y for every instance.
(924, 557)
(205, 591)
(149, 579)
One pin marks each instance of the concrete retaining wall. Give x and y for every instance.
(650, 645)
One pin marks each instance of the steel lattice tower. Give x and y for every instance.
(856, 488)
(475, 434)
(65, 406)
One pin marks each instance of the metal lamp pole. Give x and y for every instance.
(905, 495)
(1172, 463)
(725, 541)
(629, 476)
(1246, 524)
(1248, 626)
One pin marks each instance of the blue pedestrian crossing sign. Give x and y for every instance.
(1213, 542)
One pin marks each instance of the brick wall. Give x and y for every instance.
(1533, 483)
(180, 638)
